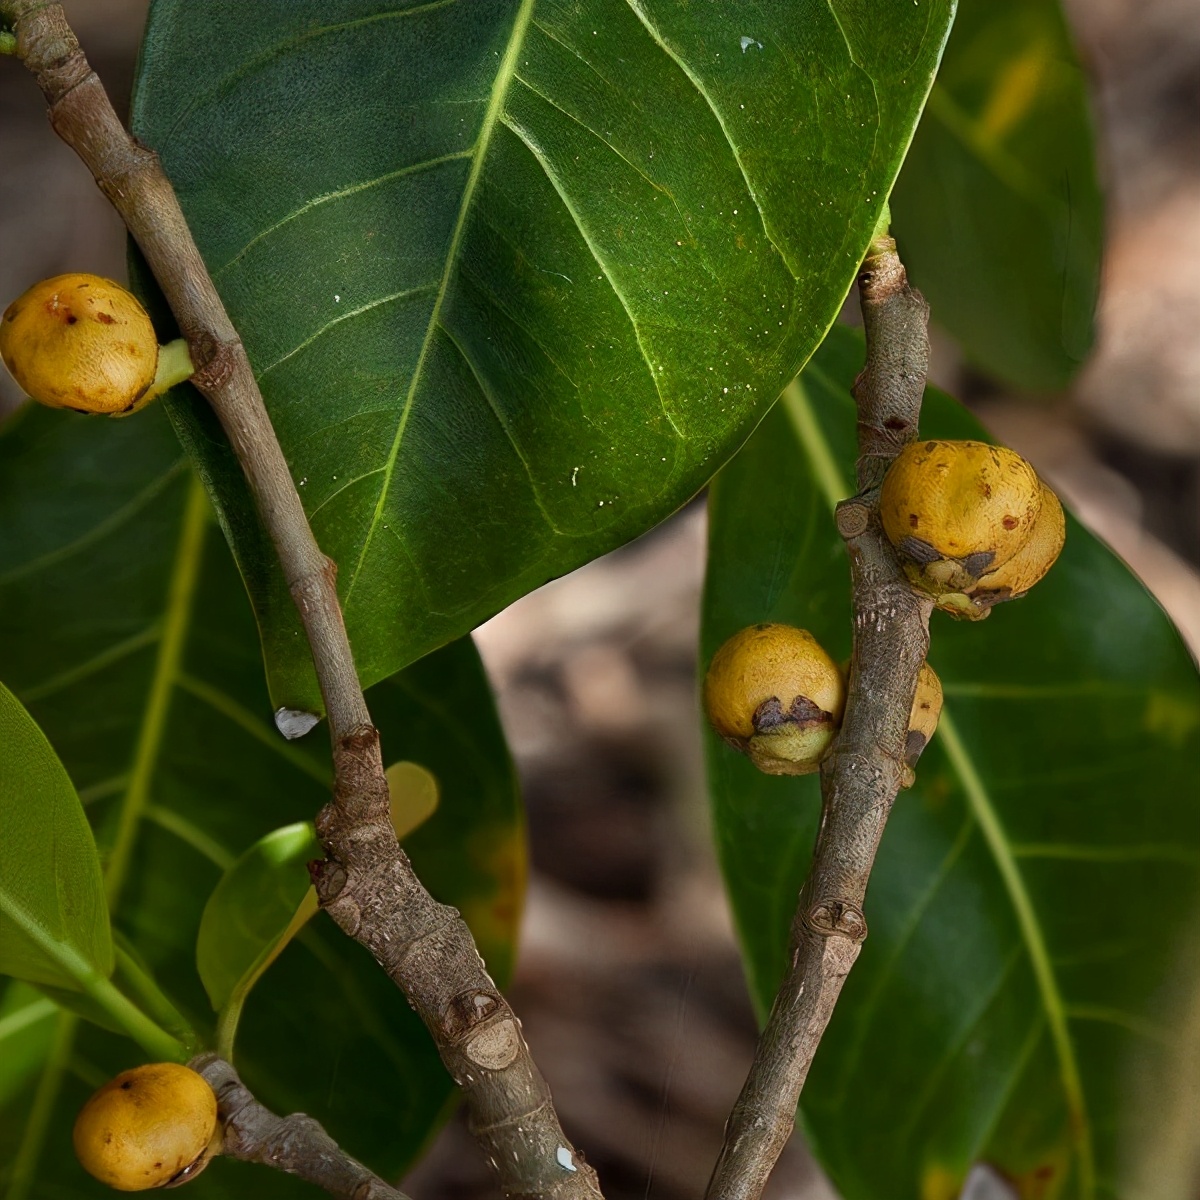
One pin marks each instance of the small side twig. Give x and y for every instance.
(297, 1144)
(367, 883)
(865, 767)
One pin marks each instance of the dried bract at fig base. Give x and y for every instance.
(972, 523)
(775, 695)
(957, 509)
(923, 718)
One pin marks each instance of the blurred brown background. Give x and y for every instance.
(629, 982)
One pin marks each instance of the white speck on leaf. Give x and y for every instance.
(747, 42)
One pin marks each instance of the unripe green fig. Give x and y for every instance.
(154, 1126)
(773, 693)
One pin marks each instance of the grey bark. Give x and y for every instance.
(296, 1144)
(865, 767)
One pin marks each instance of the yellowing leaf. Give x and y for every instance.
(414, 796)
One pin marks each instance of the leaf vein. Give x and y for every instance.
(181, 589)
(1123, 1020)
(339, 490)
(526, 139)
(346, 316)
(341, 194)
(107, 657)
(223, 703)
(282, 48)
(888, 969)
(933, 1077)
(1069, 852)
(496, 412)
(102, 529)
(638, 11)
(658, 187)
(1035, 943)
(491, 117)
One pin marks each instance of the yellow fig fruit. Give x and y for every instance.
(926, 710)
(1012, 580)
(774, 694)
(85, 343)
(80, 342)
(150, 1127)
(1031, 562)
(956, 510)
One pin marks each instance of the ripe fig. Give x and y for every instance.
(972, 523)
(774, 694)
(85, 343)
(154, 1126)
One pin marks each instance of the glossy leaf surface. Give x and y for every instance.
(53, 917)
(1011, 982)
(998, 212)
(252, 909)
(125, 629)
(515, 276)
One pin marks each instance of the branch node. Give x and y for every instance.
(882, 274)
(51, 51)
(832, 918)
(360, 787)
(329, 877)
(467, 1011)
(215, 361)
(852, 518)
(495, 1046)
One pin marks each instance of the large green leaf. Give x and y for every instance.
(53, 917)
(998, 210)
(125, 630)
(515, 276)
(1033, 889)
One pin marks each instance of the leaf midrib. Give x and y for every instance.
(832, 485)
(491, 118)
(1031, 932)
(180, 590)
(58, 950)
